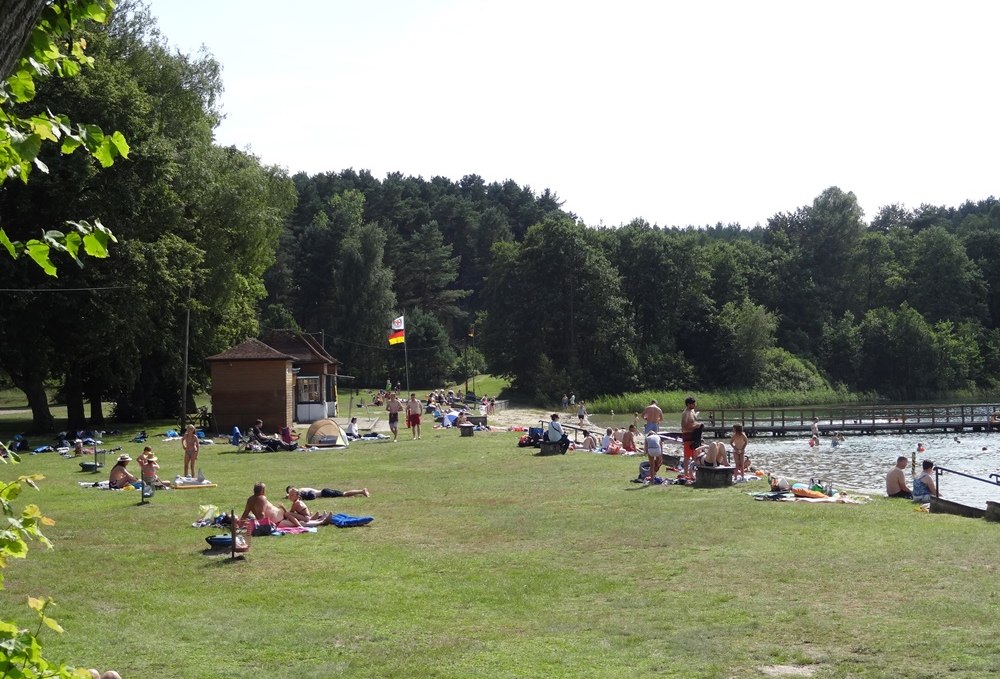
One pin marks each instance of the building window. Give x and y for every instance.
(308, 390)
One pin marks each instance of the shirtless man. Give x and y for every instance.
(628, 439)
(261, 508)
(413, 411)
(653, 416)
(690, 430)
(895, 480)
(394, 408)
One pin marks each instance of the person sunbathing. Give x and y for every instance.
(312, 493)
(302, 513)
(120, 476)
(261, 508)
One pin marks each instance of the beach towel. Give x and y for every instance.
(347, 521)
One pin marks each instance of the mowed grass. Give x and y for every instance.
(487, 561)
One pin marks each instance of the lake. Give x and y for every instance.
(860, 463)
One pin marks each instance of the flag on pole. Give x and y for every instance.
(397, 335)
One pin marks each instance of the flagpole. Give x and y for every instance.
(406, 361)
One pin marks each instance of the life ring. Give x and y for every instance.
(995, 418)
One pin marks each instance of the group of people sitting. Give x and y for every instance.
(120, 477)
(298, 514)
(924, 485)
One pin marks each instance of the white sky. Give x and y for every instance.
(690, 112)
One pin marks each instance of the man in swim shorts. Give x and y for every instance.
(653, 416)
(413, 410)
(691, 430)
(895, 480)
(394, 407)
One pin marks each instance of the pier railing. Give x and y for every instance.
(853, 418)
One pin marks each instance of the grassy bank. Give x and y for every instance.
(485, 561)
(736, 398)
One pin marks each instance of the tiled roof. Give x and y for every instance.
(302, 347)
(251, 350)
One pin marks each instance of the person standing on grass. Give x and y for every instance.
(394, 408)
(191, 446)
(413, 411)
(691, 430)
(654, 451)
(653, 416)
(895, 480)
(739, 444)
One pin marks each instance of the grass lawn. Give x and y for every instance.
(485, 561)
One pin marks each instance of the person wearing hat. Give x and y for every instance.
(148, 465)
(120, 475)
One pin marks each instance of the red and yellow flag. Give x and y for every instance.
(397, 337)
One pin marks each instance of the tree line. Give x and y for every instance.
(489, 275)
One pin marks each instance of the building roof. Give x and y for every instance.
(301, 347)
(251, 350)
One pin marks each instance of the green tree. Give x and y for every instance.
(746, 334)
(423, 280)
(946, 283)
(556, 296)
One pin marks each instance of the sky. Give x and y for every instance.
(679, 113)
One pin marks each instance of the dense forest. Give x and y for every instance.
(490, 275)
(905, 305)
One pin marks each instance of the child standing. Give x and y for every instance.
(739, 444)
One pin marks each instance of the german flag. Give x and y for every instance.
(472, 331)
(397, 337)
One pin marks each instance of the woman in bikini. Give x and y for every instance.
(739, 444)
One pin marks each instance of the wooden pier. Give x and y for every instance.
(854, 420)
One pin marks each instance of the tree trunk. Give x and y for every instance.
(74, 402)
(34, 388)
(96, 412)
(17, 21)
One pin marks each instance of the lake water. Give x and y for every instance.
(860, 463)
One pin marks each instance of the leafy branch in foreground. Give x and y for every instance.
(20, 651)
(54, 49)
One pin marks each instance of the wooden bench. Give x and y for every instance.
(477, 419)
(550, 448)
(713, 477)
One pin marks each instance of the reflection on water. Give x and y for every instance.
(861, 462)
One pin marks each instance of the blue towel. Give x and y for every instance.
(346, 520)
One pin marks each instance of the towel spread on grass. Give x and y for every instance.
(347, 521)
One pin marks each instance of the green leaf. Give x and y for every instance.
(70, 143)
(52, 624)
(12, 247)
(118, 139)
(103, 153)
(44, 128)
(72, 244)
(22, 86)
(39, 252)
